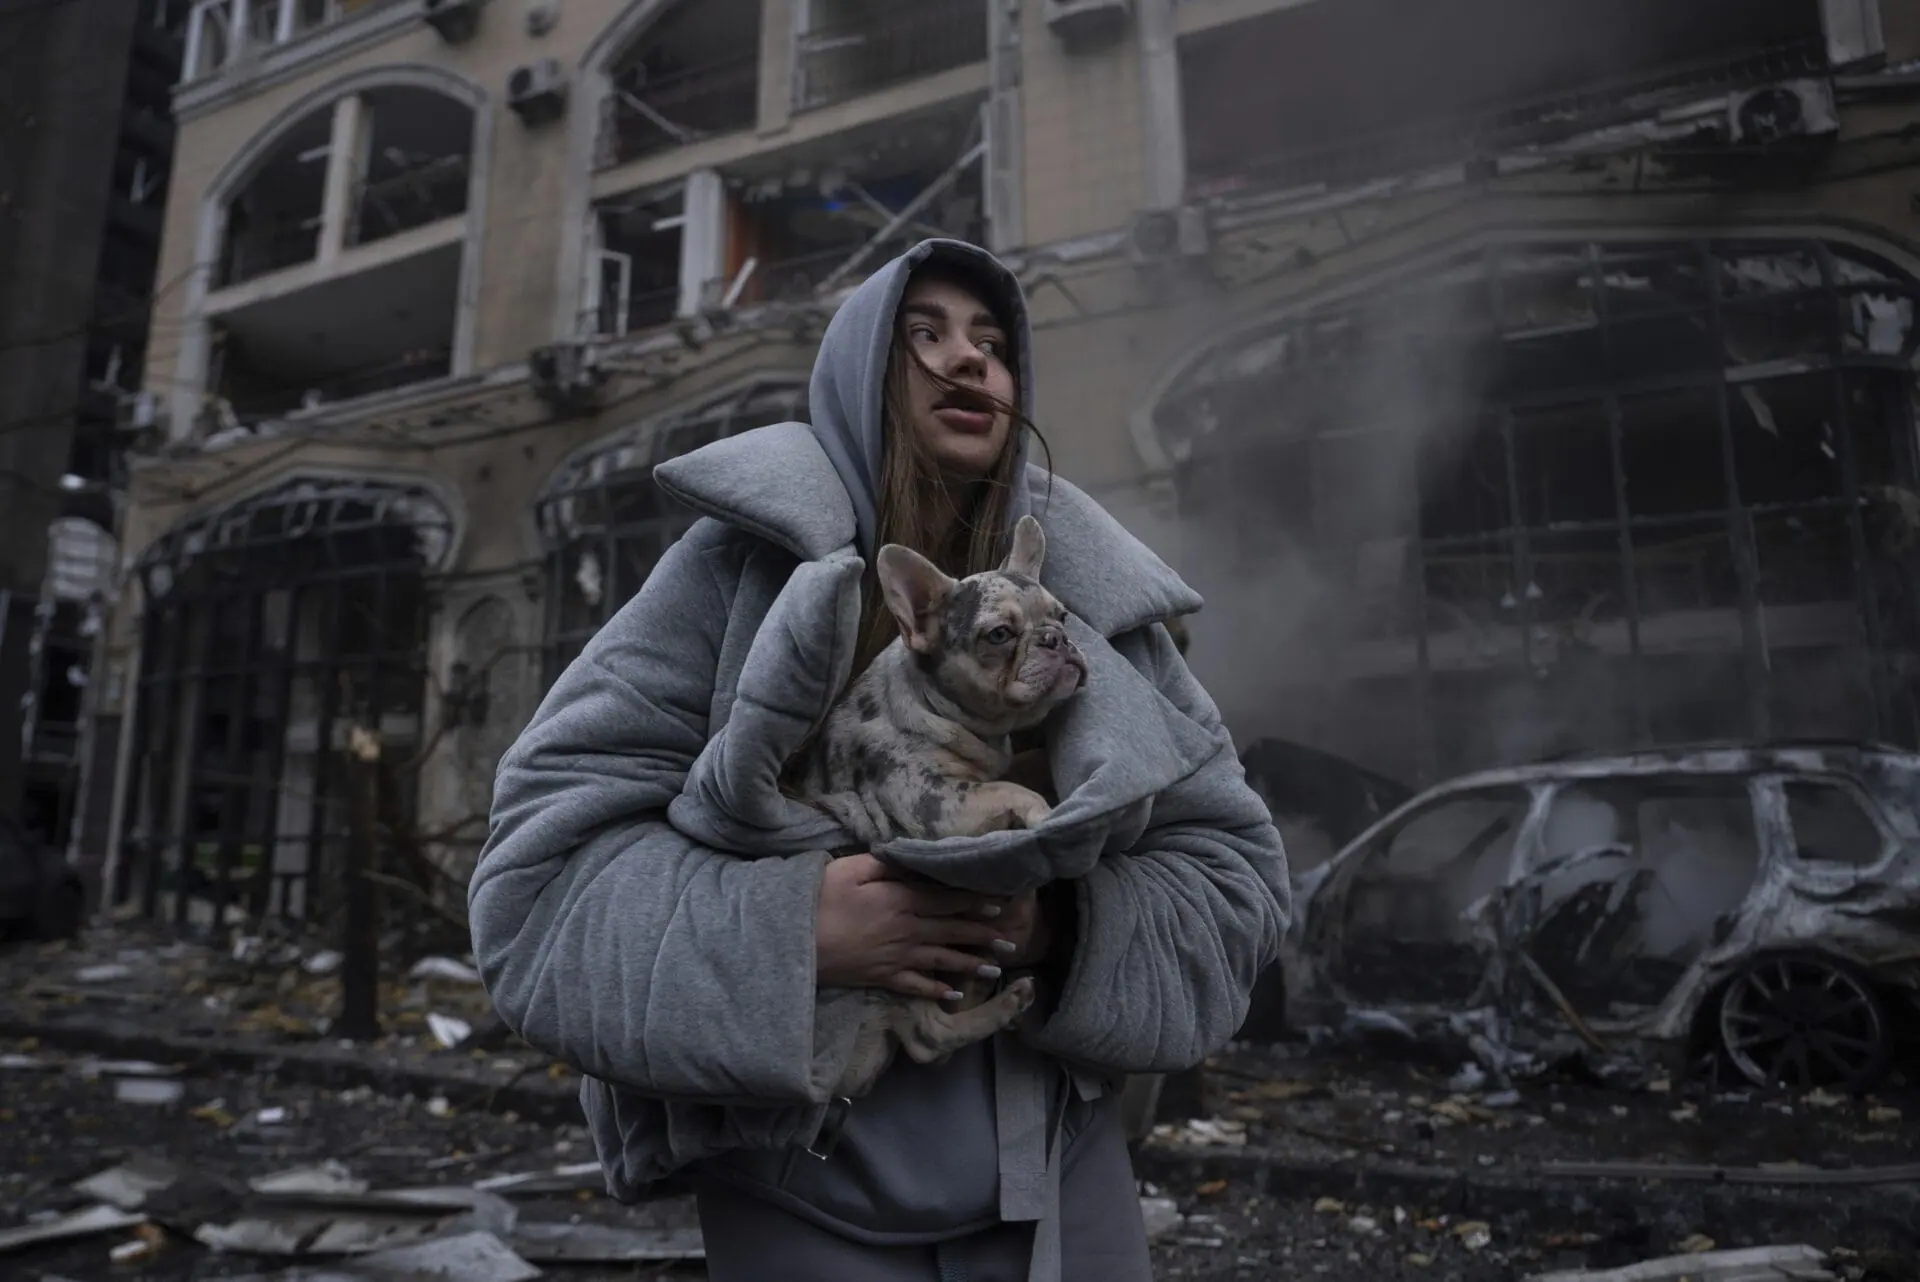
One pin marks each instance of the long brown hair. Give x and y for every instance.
(914, 493)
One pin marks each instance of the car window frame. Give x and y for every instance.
(1786, 839)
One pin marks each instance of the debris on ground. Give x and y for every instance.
(1760, 1264)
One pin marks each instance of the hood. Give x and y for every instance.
(849, 375)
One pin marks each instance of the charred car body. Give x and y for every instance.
(1759, 905)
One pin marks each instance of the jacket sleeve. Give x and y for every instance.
(605, 937)
(1168, 938)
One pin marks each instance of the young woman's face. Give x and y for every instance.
(956, 336)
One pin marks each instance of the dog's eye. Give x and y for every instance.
(999, 636)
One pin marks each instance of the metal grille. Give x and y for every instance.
(271, 627)
(606, 524)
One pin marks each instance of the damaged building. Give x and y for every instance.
(1507, 399)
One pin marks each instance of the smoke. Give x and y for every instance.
(1698, 851)
(1306, 596)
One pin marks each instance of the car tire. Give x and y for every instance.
(1781, 1019)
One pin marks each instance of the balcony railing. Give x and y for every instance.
(883, 43)
(653, 114)
(220, 32)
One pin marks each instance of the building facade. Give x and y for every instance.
(1513, 379)
(84, 155)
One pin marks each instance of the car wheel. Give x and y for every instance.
(1801, 1020)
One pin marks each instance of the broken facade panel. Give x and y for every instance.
(1595, 496)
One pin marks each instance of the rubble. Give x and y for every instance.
(92, 1220)
(1761, 1264)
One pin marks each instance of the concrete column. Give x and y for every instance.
(1854, 31)
(237, 15)
(196, 43)
(703, 237)
(779, 23)
(283, 27)
(1162, 125)
(346, 165)
(1004, 125)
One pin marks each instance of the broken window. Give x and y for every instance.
(854, 47)
(1585, 497)
(1407, 937)
(272, 628)
(635, 264)
(809, 219)
(273, 221)
(692, 74)
(1831, 825)
(1633, 880)
(416, 168)
(606, 524)
(1340, 93)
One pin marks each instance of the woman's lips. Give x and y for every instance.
(966, 421)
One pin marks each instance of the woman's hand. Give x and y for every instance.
(1022, 922)
(875, 931)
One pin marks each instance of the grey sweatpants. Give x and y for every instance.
(1102, 1238)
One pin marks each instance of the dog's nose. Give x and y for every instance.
(1052, 637)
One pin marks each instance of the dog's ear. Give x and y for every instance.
(1029, 549)
(916, 591)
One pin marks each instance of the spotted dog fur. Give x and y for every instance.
(919, 748)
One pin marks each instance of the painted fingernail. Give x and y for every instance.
(1006, 946)
(952, 996)
(988, 972)
(990, 910)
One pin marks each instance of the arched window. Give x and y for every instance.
(605, 522)
(406, 163)
(301, 310)
(272, 627)
(1570, 496)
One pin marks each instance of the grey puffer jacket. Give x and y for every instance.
(629, 916)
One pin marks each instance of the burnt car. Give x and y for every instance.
(1748, 906)
(41, 895)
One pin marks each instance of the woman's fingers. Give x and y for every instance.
(947, 961)
(910, 983)
(962, 933)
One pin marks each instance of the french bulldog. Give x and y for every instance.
(918, 747)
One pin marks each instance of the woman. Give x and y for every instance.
(629, 916)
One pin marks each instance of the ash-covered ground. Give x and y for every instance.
(1344, 1165)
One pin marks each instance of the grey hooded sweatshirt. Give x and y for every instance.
(645, 905)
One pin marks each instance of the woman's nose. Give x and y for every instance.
(966, 359)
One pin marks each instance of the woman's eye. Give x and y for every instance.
(924, 334)
(991, 346)
(1000, 635)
